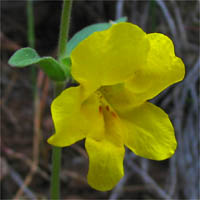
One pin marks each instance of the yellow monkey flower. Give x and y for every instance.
(118, 69)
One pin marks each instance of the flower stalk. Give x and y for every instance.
(58, 87)
(30, 16)
(64, 28)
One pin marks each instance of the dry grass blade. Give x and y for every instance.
(148, 180)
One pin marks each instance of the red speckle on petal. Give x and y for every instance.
(100, 109)
(107, 108)
(114, 115)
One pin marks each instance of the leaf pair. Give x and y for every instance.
(28, 56)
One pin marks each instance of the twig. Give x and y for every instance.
(135, 188)
(119, 9)
(179, 20)
(16, 177)
(36, 122)
(24, 184)
(11, 117)
(36, 144)
(166, 101)
(134, 14)
(117, 192)
(80, 150)
(8, 44)
(74, 175)
(192, 77)
(160, 96)
(168, 17)
(8, 170)
(9, 88)
(16, 155)
(144, 164)
(193, 74)
(4, 168)
(44, 97)
(148, 180)
(145, 16)
(173, 176)
(36, 138)
(195, 97)
(187, 128)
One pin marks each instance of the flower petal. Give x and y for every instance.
(91, 108)
(111, 56)
(162, 69)
(73, 118)
(65, 111)
(150, 132)
(106, 153)
(105, 164)
(120, 97)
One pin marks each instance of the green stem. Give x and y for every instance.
(153, 15)
(31, 34)
(56, 156)
(31, 42)
(55, 181)
(64, 28)
(59, 86)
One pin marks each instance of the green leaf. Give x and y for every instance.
(121, 19)
(28, 56)
(83, 34)
(67, 62)
(53, 69)
(24, 57)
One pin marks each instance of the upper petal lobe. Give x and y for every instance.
(111, 56)
(161, 70)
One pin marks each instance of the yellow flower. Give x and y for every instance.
(118, 69)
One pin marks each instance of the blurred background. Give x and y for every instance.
(25, 112)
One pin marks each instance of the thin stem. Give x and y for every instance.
(36, 99)
(59, 86)
(55, 181)
(31, 42)
(64, 28)
(153, 15)
(56, 156)
(31, 34)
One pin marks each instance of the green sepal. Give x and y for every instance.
(28, 56)
(67, 62)
(87, 31)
